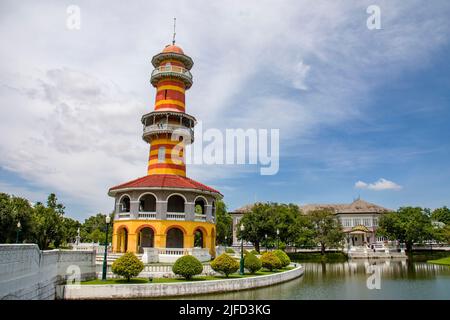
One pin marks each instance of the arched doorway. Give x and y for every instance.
(174, 238)
(175, 203)
(124, 204)
(146, 239)
(199, 239)
(147, 203)
(122, 240)
(200, 204)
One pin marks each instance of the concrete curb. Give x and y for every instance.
(157, 290)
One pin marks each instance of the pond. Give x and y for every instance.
(349, 280)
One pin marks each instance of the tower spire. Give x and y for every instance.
(174, 33)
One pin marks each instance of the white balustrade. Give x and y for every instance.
(147, 215)
(200, 217)
(175, 216)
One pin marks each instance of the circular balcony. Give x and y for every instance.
(171, 71)
(161, 128)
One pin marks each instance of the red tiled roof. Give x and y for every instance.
(164, 181)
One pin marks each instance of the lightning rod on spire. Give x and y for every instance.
(174, 33)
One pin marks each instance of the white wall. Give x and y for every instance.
(29, 273)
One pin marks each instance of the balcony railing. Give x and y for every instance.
(165, 127)
(124, 215)
(147, 215)
(172, 69)
(200, 217)
(175, 251)
(175, 216)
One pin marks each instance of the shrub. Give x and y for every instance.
(127, 266)
(245, 251)
(187, 267)
(270, 261)
(252, 263)
(284, 258)
(225, 264)
(254, 252)
(229, 250)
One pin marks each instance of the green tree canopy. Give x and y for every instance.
(441, 215)
(326, 229)
(13, 210)
(408, 225)
(224, 224)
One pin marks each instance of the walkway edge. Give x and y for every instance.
(158, 290)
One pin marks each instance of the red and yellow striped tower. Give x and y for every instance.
(165, 214)
(169, 129)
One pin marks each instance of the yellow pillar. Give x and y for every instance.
(160, 240)
(132, 242)
(188, 241)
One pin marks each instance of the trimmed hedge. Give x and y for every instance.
(187, 267)
(225, 264)
(270, 261)
(252, 263)
(127, 266)
(284, 258)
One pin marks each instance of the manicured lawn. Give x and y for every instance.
(444, 261)
(197, 278)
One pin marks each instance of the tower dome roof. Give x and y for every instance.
(173, 48)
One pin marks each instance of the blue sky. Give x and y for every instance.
(353, 105)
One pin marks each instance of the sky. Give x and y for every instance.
(361, 112)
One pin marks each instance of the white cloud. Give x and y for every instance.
(71, 100)
(379, 185)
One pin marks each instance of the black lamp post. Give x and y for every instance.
(19, 226)
(265, 236)
(226, 243)
(108, 220)
(278, 238)
(241, 269)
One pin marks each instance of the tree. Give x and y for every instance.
(127, 266)
(285, 217)
(12, 210)
(47, 226)
(257, 223)
(225, 264)
(408, 225)
(224, 224)
(270, 261)
(441, 215)
(304, 232)
(252, 263)
(327, 230)
(94, 227)
(187, 267)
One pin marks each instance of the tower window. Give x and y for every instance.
(161, 154)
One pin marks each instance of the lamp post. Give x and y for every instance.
(108, 220)
(241, 269)
(265, 236)
(226, 243)
(278, 238)
(19, 226)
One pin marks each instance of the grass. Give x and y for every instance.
(172, 280)
(443, 261)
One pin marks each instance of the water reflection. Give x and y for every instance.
(400, 279)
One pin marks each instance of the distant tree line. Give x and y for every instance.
(45, 224)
